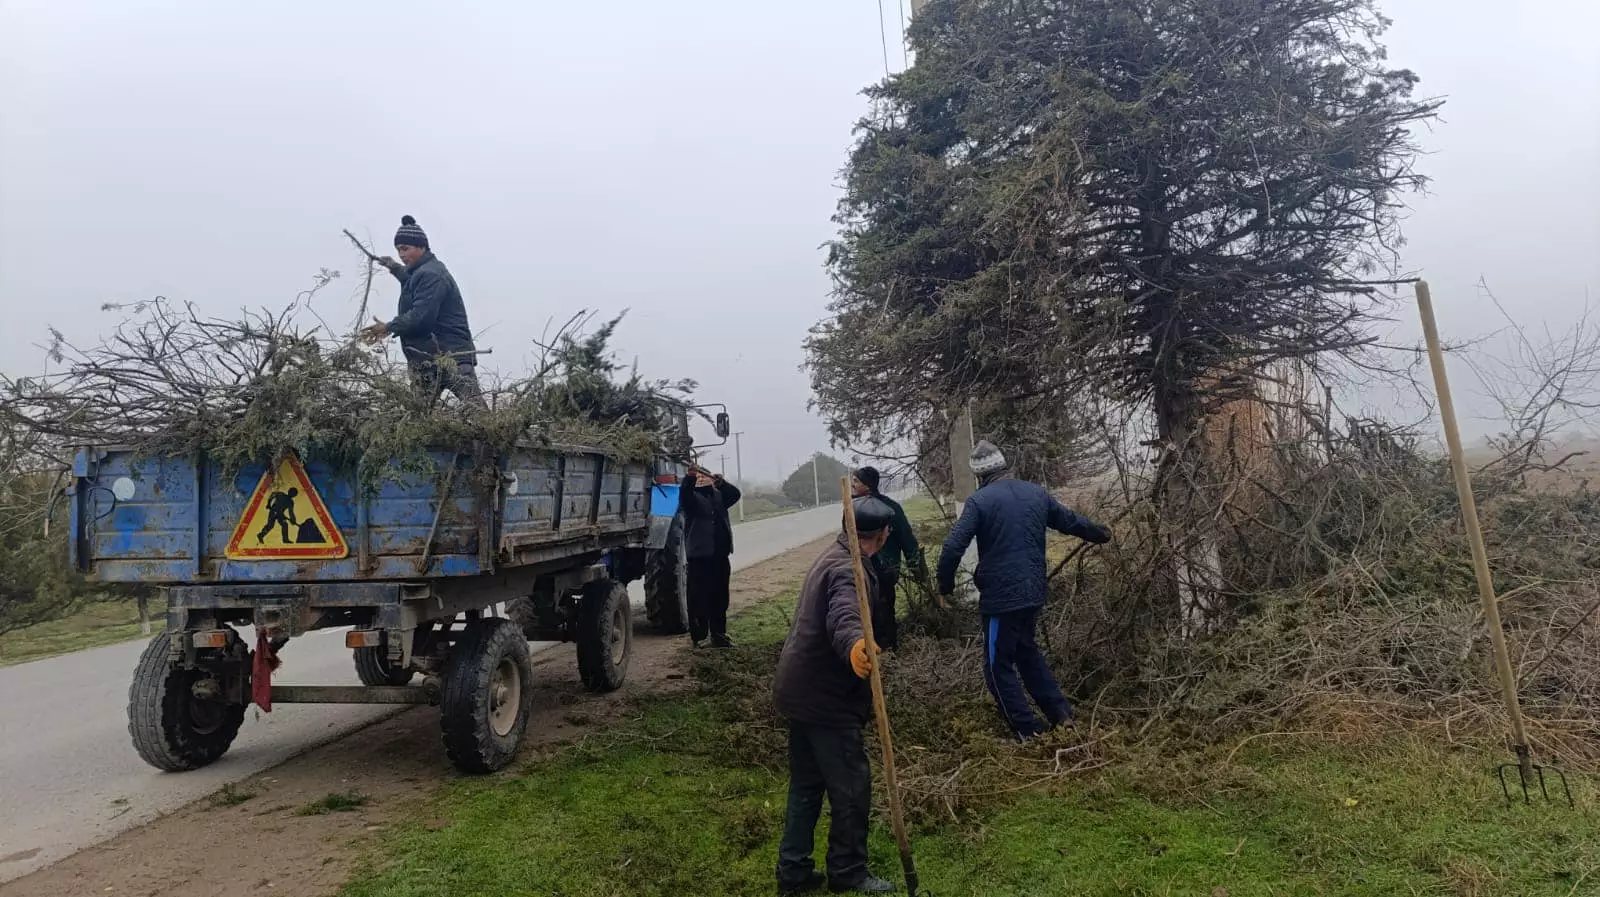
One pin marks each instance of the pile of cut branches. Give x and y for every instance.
(171, 382)
(1353, 615)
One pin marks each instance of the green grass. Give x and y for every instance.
(654, 813)
(335, 802)
(765, 623)
(922, 509)
(101, 623)
(659, 807)
(758, 507)
(231, 795)
(1402, 818)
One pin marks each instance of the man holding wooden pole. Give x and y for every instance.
(822, 690)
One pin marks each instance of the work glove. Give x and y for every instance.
(860, 661)
(1098, 534)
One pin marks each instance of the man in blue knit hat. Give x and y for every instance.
(1009, 517)
(432, 320)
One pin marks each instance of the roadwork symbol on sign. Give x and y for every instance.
(286, 520)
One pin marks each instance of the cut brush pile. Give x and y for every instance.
(243, 390)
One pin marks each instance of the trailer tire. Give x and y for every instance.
(372, 667)
(488, 696)
(521, 613)
(171, 729)
(535, 626)
(666, 584)
(605, 635)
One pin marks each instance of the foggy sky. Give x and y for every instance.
(679, 160)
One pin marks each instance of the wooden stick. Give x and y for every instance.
(879, 708)
(1469, 515)
(371, 257)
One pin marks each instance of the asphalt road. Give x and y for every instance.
(70, 779)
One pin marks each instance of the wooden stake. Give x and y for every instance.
(879, 708)
(1469, 515)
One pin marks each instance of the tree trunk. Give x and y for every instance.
(1190, 569)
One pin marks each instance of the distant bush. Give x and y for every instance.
(803, 485)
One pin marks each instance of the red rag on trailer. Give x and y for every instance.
(262, 663)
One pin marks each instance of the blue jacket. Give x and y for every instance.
(433, 319)
(1008, 518)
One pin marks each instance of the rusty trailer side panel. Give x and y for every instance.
(169, 520)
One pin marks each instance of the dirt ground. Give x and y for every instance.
(260, 836)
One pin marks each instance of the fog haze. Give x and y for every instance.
(678, 160)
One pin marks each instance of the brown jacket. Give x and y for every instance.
(815, 682)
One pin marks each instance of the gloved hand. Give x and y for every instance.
(1098, 534)
(860, 661)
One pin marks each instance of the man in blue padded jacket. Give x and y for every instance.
(1009, 517)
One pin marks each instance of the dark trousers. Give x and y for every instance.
(831, 761)
(708, 596)
(461, 380)
(885, 630)
(1012, 661)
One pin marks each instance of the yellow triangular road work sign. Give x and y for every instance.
(286, 520)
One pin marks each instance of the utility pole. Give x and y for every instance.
(723, 458)
(738, 469)
(816, 484)
(962, 480)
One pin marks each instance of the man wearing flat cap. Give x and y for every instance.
(822, 690)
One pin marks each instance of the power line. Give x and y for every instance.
(883, 37)
(905, 39)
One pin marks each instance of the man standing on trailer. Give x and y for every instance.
(1009, 518)
(432, 323)
(821, 689)
(902, 548)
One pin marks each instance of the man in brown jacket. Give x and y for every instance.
(821, 689)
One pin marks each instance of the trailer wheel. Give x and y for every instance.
(488, 695)
(172, 729)
(520, 612)
(372, 666)
(605, 635)
(666, 584)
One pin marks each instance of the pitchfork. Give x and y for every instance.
(1528, 772)
(880, 708)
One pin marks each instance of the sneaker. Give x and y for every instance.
(815, 882)
(721, 641)
(872, 884)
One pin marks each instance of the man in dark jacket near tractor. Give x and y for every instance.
(821, 689)
(432, 320)
(901, 548)
(708, 542)
(1009, 518)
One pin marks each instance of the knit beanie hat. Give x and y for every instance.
(986, 458)
(868, 477)
(873, 515)
(409, 234)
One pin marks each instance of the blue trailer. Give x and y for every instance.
(415, 567)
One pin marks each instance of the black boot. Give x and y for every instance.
(872, 884)
(721, 641)
(815, 882)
